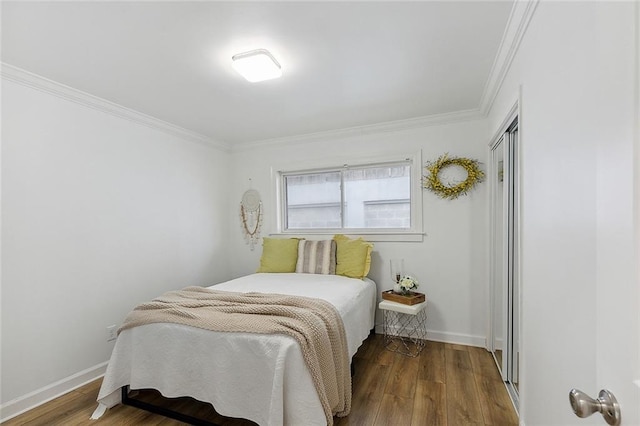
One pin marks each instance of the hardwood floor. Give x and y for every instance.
(447, 384)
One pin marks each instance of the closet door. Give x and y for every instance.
(499, 220)
(511, 241)
(505, 289)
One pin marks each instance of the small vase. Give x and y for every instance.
(397, 289)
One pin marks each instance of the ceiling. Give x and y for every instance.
(345, 64)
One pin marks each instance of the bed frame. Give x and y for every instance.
(156, 409)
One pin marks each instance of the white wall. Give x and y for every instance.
(575, 72)
(451, 261)
(98, 214)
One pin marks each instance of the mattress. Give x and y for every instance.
(262, 378)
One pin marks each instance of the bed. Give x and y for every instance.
(229, 369)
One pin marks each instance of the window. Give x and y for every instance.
(376, 198)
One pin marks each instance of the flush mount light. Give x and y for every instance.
(257, 65)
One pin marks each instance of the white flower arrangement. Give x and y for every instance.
(408, 283)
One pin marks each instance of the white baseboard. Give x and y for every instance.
(38, 397)
(446, 337)
(457, 338)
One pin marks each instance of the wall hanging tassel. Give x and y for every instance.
(251, 216)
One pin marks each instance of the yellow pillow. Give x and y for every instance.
(279, 255)
(353, 257)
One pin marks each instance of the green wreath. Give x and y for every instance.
(432, 180)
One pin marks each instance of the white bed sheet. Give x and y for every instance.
(265, 380)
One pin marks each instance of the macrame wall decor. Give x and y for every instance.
(251, 216)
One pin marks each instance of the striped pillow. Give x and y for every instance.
(316, 257)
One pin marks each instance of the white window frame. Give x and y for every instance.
(414, 233)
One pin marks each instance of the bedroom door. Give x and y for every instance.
(616, 323)
(615, 326)
(617, 320)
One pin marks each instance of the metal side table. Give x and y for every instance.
(404, 327)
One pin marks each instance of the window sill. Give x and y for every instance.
(374, 237)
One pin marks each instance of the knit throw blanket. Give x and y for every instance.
(314, 323)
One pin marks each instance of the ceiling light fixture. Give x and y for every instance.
(257, 65)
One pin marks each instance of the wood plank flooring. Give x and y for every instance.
(450, 385)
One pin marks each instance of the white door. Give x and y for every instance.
(617, 322)
(617, 325)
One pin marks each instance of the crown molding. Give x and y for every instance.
(518, 22)
(34, 81)
(517, 25)
(389, 126)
